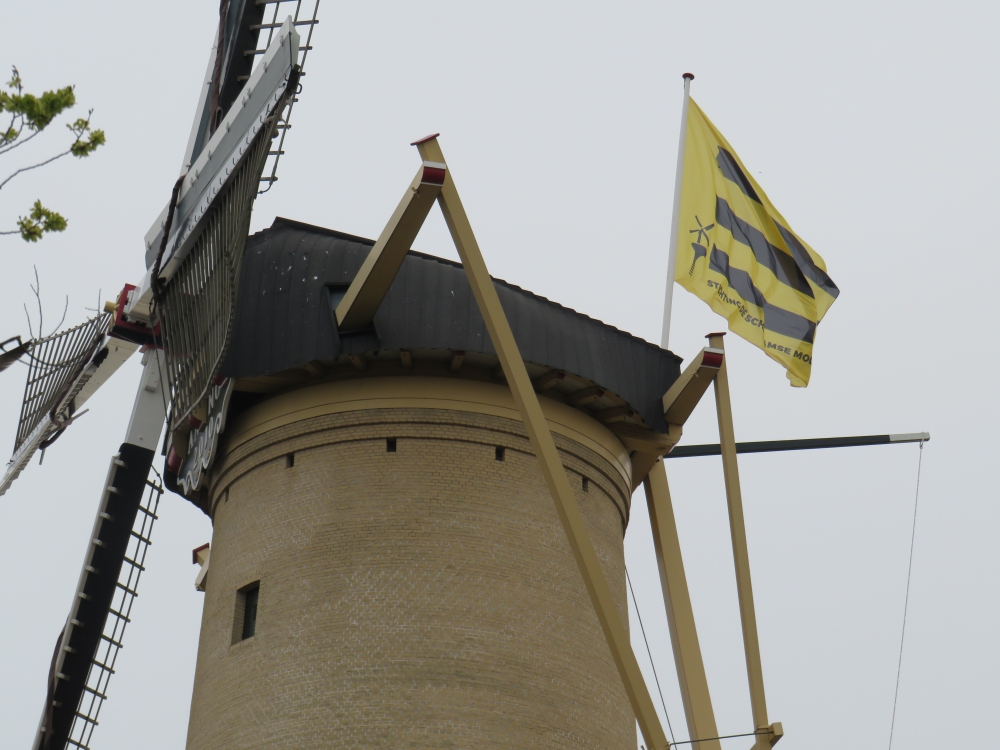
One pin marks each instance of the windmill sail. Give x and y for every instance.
(88, 645)
(9, 356)
(64, 370)
(196, 249)
(184, 306)
(196, 307)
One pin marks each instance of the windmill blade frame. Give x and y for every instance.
(120, 517)
(183, 308)
(194, 251)
(10, 356)
(64, 371)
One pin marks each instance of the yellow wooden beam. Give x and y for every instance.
(741, 556)
(614, 414)
(548, 457)
(680, 614)
(357, 309)
(548, 380)
(585, 396)
(679, 401)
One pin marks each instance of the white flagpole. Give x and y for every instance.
(678, 183)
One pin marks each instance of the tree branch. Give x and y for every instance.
(14, 143)
(36, 166)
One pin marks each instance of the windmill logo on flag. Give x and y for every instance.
(700, 250)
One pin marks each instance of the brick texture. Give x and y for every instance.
(425, 598)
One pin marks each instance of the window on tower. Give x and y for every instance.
(251, 595)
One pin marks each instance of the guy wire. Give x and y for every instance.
(906, 602)
(650, 654)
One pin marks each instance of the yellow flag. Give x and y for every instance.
(738, 254)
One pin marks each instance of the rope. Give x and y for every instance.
(906, 603)
(663, 703)
(725, 737)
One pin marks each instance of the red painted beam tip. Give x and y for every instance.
(433, 176)
(425, 139)
(712, 359)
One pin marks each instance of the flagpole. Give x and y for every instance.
(678, 184)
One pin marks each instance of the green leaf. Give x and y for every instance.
(37, 111)
(40, 221)
(83, 148)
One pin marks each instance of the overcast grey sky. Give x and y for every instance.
(872, 127)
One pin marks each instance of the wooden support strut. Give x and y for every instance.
(548, 456)
(361, 301)
(680, 614)
(741, 558)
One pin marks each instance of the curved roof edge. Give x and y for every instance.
(291, 275)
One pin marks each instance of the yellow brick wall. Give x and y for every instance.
(425, 598)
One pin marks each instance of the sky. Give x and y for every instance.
(872, 127)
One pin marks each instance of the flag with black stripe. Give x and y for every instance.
(738, 254)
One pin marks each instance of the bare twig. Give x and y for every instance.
(99, 309)
(37, 291)
(15, 142)
(79, 135)
(31, 332)
(67, 152)
(63, 318)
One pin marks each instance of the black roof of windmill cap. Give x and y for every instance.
(294, 274)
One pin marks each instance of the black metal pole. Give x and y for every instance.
(770, 446)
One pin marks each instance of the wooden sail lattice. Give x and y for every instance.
(54, 366)
(301, 17)
(59, 366)
(196, 306)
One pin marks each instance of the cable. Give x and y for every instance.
(663, 703)
(724, 737)
(906, 603)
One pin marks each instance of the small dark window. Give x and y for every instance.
(586, 484)
(390, 445)
(250, 611)
(289, 460)
(501, 453)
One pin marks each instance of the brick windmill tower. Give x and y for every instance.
(419, 477)
(380, 457)
(387, 568)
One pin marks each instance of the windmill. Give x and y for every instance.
(179, 316)
(379, 319)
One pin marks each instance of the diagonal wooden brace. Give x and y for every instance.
(357, 309)
(679, 401)
(548, 457)
(680, 614)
